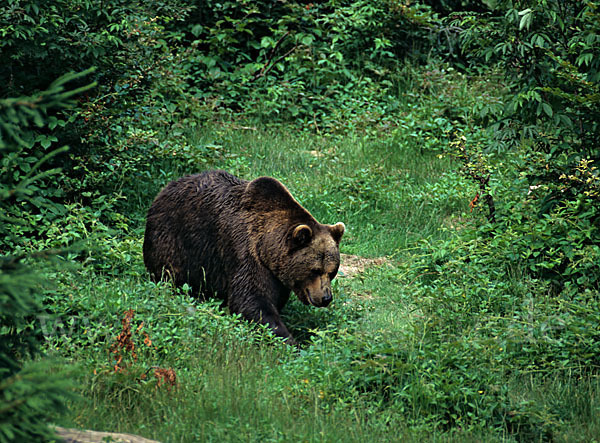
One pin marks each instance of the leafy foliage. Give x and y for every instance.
(28, 191)
(75, 35)
(549, 52)
(28, 393)
(129, 46)
(275, 59)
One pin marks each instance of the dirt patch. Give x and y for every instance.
(352, 265)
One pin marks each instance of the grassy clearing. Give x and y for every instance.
(235, 388)
(469, 328)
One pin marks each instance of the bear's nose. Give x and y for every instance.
(327, 297)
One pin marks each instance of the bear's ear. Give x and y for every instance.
(337, 231)
(302, 235)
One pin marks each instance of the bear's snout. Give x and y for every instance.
(327, 297)
(319, 298)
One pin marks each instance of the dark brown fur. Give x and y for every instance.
(247, 243)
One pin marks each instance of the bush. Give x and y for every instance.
(29, 193)
(301, 61)
(549, 53)
(30, 393)
(116, 128)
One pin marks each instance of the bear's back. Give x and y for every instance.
(198, 186)
(190, 226)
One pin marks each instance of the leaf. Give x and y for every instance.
(197, 30)
(46, 141)
(526, 18)
(52, 122)
(525, 11)
(266, 42)
(566, 120)
(584, 59)
(547, 109)
(307, 40)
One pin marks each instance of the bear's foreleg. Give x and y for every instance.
(267, 314)
(253, 304)
(263, 312)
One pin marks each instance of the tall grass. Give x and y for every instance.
(380, 187)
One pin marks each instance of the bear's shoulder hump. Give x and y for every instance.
(270, 192)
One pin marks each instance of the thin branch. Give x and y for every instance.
(266, 68)
(275, 62)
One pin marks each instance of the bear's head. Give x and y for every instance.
(302, 253)
(313, 263)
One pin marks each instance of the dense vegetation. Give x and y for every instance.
(458, 140)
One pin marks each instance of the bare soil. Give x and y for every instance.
(352, 265)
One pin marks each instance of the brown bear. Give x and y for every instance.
(248, 243)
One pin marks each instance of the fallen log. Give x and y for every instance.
(79, 436)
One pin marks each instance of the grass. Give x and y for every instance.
(228, 390)
(405, 352)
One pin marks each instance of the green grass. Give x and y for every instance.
(228, 389)
(404, 352)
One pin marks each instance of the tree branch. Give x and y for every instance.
(270, 63)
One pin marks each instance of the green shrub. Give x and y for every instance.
(30, 195)
(30, 392)
(549, 52)
(274, 60)
(76, 35)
